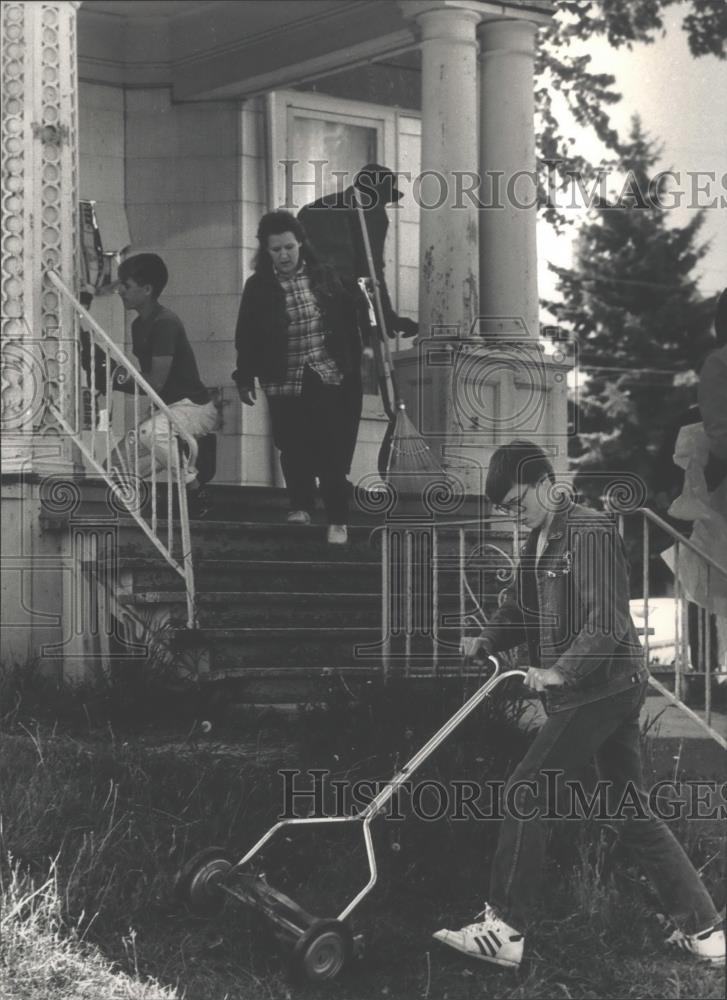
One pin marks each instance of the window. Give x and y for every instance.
(318, 145)
(325, 154)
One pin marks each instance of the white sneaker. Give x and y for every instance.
(708, 946)
(298, 517)
(489, 938)
(337, 534)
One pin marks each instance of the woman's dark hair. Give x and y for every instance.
(145, 269)
(520, 463)
(274, 224)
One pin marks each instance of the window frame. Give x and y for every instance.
(281, 106)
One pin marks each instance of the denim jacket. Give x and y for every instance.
(571, 607)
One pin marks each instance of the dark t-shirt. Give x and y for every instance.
(163, 335)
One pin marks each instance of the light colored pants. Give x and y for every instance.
(197, 419)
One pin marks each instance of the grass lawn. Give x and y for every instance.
(96, 823)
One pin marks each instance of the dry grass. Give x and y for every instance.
(95, 826)
(42, 958)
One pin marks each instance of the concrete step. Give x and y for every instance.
(314, 647)
(293, 647)
(263, 503)
(234, 539)
(283, 615)
(267, 609)
(254, 575)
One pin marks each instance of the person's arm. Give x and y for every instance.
(157, 375)
(713, 401)
(505, 629)
(164, 338)
(394, 323)
(600, 595)
(244, 375)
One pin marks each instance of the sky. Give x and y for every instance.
(681, 103)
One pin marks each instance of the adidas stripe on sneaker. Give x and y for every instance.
(489, 939)
(707, 945)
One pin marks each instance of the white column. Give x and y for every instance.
(508, 254)
(448, 216)
(448, 229)
(39, 229)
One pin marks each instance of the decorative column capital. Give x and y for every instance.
(450, 19)
(508, 35)
(533, 12)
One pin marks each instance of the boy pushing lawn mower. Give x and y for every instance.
(570, 604)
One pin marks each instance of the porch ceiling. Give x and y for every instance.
(229, 49)
(226, 49)
(144, 8)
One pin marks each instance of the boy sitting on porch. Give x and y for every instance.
(167, 362)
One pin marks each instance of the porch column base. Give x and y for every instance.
(51, 621)
(499, 391)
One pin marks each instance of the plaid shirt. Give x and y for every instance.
(306, 339)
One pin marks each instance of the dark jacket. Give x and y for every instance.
(572, 610)
(333, 228)
(261, 335)
(713, 404)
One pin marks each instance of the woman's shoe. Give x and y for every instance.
(337, 534)
(298, 517)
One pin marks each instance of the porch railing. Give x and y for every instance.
(120, 463)
(692, 640)
(437, 579)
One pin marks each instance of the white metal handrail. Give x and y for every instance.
(121, 465)
(683, 667)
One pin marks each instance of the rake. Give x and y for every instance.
(405, 459)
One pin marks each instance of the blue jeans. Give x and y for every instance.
(609, 730)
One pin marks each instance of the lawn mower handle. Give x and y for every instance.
(378, 804)
(381, 800)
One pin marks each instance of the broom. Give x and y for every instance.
(405, 459)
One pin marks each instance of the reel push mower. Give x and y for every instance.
(319, 947)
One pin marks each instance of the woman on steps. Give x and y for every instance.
(296, 333)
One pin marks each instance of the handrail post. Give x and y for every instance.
(645, 580)
(708, 659)
(677, 627)
(385, 601)
(408, 597)
(460, 576)
(435, 598)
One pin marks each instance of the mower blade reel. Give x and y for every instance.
(281, 910)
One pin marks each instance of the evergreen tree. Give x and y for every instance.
(632, 303)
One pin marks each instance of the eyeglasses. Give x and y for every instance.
(514, 506)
